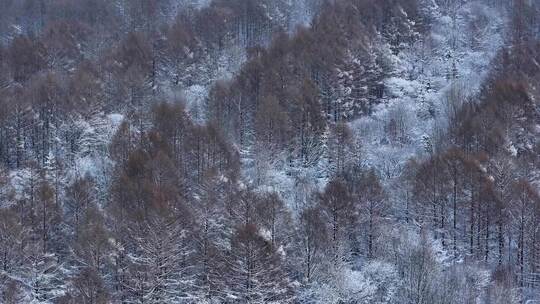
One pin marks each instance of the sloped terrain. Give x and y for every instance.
(261, 151)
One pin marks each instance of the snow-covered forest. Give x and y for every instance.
(270, 151)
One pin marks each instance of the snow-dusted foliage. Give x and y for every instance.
(269, 151)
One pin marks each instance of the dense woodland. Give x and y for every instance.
(234, 151)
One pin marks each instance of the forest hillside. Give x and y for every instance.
(270, 151)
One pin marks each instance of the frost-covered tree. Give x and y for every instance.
(312, 236)
(44, 278)
(337, 208)
(160, 266)
(256, 273)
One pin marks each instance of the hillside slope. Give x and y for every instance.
(261, 151)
